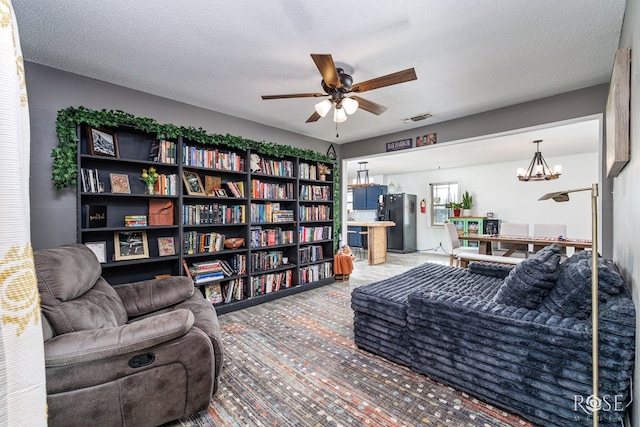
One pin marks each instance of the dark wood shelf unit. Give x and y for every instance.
(134, 149)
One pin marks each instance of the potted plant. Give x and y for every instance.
(456, 206)
(467, 203)
(323, 171)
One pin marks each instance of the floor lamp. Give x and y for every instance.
(593, 401)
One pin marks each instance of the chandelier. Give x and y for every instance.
(538, 169)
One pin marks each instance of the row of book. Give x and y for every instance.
(272, 282)
(196, 242)
(315, 213)
(282, 168)
(315, 192)
(167, 184)
(228, 291)
(210, 270)
(214, 213)
(314, 234)
(311, 253)
(268, 190)
(266, 260)
(91, 181)
(212, 158)
(236, 188)
(313, 273)
(270, 212)
(163, 151)
(270, 236)
(308, 171)
(135, 220)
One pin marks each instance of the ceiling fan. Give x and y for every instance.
(336, 84)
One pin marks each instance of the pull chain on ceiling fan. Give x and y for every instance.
(336, 84)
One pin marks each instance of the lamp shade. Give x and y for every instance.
(323, 107)
(350, 105)
(339, 115)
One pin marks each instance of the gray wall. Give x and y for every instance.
(626, 195)
(53, 213)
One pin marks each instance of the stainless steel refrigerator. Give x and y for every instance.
(401, 209)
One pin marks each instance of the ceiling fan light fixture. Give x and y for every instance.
(339, 115)
(350, 105)
(323, 107)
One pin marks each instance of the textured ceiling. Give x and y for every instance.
(469, 56)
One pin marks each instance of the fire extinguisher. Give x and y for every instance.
(423, 206)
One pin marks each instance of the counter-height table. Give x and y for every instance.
(377, 239)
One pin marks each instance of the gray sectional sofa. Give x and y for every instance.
(516, 337)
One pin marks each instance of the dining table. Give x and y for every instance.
(485, 240)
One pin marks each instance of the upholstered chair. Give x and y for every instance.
(137, 354)
(455, 247)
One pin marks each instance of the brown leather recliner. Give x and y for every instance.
(137, 354)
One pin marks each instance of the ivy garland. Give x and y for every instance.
(65, 166)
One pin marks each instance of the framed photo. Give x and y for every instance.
(100, 249)
(102, 142)
(119, 183)
(193, 184)
(166, 246)
(221, 192)
(130, 245)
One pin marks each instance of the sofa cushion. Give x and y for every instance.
(73, 296)
(530, 281)
(571, 296)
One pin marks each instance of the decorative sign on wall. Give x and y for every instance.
(428, 139)
(400, 145)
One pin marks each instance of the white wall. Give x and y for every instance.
(496, 189)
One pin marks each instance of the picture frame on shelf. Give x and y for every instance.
(119, 183)
(100, 249)
(193, 184)
(221, 192)
(130, 245)
(166, 246)
(102, 142)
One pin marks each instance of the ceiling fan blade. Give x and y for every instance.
(388, 80)
(294, 95)
(328, 69)
(370, 106)
(314, 117)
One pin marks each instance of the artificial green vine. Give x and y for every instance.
(65, 166)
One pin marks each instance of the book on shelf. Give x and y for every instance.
(213, 293)
(212, 183)
(95, 216)
(135, 221)
(162, 151)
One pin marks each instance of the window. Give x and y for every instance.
(442, 193)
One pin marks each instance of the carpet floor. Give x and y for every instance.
(293, 362)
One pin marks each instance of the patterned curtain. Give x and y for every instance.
(22, 375)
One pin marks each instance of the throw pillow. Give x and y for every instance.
(571, 296)
(530, 281)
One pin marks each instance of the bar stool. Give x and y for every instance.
(364, 235)
(357, 250)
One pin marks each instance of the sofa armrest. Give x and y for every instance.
(148, 296)
(84, 346)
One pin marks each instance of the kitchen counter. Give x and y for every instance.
(376, 239)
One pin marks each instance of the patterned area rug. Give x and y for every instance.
(293, 362)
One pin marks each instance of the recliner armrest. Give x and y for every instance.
(148, 296)
(84, 346)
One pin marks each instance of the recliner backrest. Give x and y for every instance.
(74, 297)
